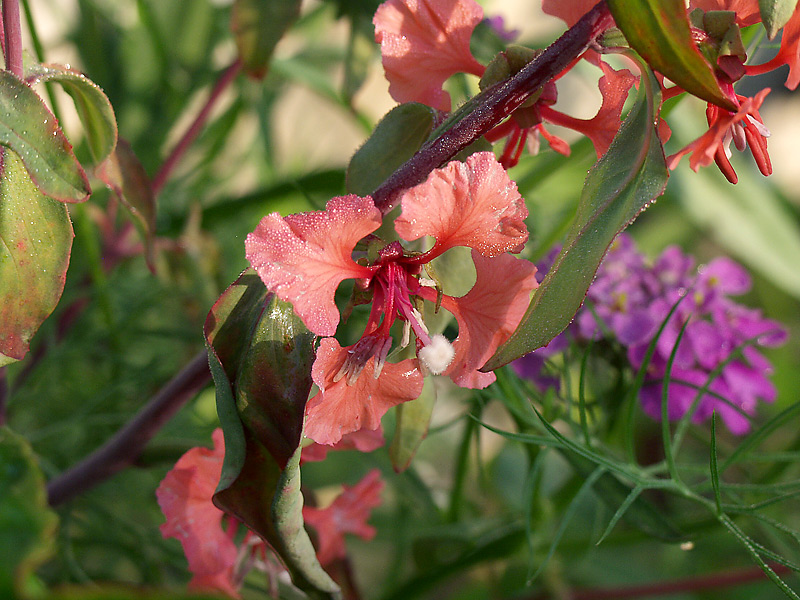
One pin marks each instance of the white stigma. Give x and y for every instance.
(437, 355)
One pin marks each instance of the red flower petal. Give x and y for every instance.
(347, 514)
(339, 408)
(185, 499)
(488, 314)
(472, 204)
(569, 11)
(423, 42)
(363, 440)
(304, 257)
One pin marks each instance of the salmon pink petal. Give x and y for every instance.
(341, 408)
(790, 49)
(747, 11)
(488, 314)
(569, 11)
(185, 499)
(423, 42)
(472, 204)
(304, 257)
(363, 440)
(347, 514)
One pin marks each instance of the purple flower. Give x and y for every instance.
(718, 350)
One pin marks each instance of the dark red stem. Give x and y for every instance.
(498, 102)
(675, 586)
(195, 128)
(12, 37)
(124, 448)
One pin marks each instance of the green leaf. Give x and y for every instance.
(35, 244)
(260, 355)
(27, 525)
(413, 420)
(91, 103)
(29, 128)
(775, 14)
(659, 31)
(257, 27)
(623, 183)
(125, 176)
(395, 139)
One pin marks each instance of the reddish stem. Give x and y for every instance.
(124, 448)
(195, 128)
(498, 102)
(676, 586)
(12, 37)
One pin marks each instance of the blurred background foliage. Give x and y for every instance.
(282, 144)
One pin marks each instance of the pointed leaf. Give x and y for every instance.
(35, 243)
(260, 355)
(623, 183)
(29, 128)
(659, 31)
(257, 26)
(775, 14)
(91, 103)
(125, 176)
(413, 420)
(395, 139)
(27, 525)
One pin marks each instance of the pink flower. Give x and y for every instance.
(423, 42)
(304, 257)
(363, 440)
(185, 499)
(788, 54)
(743, 127)
(347, 514)
(569, 11)
(747, 11)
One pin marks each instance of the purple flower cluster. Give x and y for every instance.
(630, 299)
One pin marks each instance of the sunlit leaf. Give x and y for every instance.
(775, 14)
(395, 139)
(260, 355)
(91, 103)
(623, 183)
(35, 244)
(659, 31)
(125, 175)
(27, 525)
(29, 128)
(257, 26)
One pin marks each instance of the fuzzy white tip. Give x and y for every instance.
(437, 355)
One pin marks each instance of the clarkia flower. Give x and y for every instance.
(217, 562)
(744, 128)
(304, 257)
(630, 299)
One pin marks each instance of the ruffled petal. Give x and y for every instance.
(472, 204)
(488, 314)
(304, 257)
(347, 514)
(339, 408)
(184, 496)
(423, 42)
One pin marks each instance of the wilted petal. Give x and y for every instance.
(472, 204)
(184, 496)
(488, 314)
(339, 408)
(423, 42)
(303, 257)
(348, 513)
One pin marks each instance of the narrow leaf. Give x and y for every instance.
(775, 14)
(659, 31)
(713, 464)
(27, 525)
(260, 355)
(122, 172)
(35, 244)
(396, 138)
(257, 27)
(623, 183)
(91, 103)
(29, 128)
